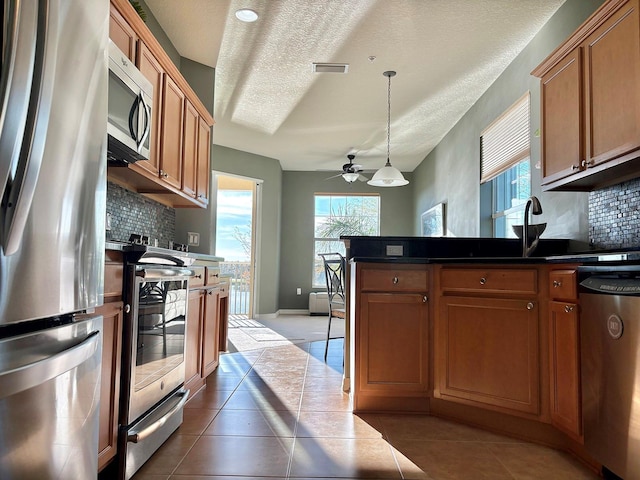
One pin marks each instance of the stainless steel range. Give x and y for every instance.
(153, 397)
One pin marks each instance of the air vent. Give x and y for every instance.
(330, 67)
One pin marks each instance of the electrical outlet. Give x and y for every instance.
(298, 291)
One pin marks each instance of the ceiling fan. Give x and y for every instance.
(351, 171)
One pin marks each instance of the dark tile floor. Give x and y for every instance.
(280, 413)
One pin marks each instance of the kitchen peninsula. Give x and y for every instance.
(466, 328)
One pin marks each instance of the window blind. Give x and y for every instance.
(506, 141)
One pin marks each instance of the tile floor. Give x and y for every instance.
(279, 413)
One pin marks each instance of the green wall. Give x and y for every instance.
(236, 162)
(298, 189)
(451, 172)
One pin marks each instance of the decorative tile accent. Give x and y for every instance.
(614, 216)
(134, 213)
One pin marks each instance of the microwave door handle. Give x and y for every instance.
(21, 26)
(147, 122)
(134, 113)
(22, 191)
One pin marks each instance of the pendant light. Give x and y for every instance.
(388, 176)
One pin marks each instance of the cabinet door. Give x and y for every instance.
(487, 353)
(392, 355)
(612, 54)
(153, 71)
(210, 332)
(190, 149)
(121, 33)
(204, 161)
(562, 128)
(171, 137)
(109, 381)
(564, 363)
(193, 341)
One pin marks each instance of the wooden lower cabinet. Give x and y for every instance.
(202, 342)
(110, 381)
(193, 378)
(391, 361)
(210, 331)
(487, 353)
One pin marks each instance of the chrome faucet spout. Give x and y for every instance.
(533, 204)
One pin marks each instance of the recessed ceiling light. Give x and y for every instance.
(246, 15)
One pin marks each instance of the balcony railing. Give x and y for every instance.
(240, 286)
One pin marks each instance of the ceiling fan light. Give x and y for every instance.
(350, 176)
(388, 176)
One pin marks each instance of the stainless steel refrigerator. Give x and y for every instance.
(53, 123)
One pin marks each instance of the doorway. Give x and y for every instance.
(236, 225)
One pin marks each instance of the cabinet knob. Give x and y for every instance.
(557, 283)
(198, 276)
(127, 308)
(424, 299)
(483, 280)
(395, 280)
(575, 167)
(568, 308)
(530, 306)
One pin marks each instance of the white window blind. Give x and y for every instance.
(506, 141)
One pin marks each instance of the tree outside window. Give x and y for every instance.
(339, 215)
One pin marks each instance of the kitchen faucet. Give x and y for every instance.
(536, 209)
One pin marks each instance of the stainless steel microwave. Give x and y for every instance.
(130, 108)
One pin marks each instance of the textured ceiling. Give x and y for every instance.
(269, 102)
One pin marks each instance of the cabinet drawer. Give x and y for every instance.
(213, 275)
(198, 279)
(562, 284)
(224, 289)
(519, 281)
(396, 280)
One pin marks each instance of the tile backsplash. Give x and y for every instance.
(614, 216)
(133, 213)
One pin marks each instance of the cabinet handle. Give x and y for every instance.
(557, 283)
(575, 167)
(198, 276)
(127, 308)
(424, 299)
(568, 308)
(483, 281)
(530, 306)
(395, 280)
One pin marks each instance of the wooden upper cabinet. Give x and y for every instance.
(177, 171)
(121, 33)
(204, 161)
(590, 94)
(190, 149)
(153, 71)
(562, 129)
(613, 90)
(173, 101)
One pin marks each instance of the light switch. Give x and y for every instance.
(193, 238)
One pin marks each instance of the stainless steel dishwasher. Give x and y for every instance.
(610, 361)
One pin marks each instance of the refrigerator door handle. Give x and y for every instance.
(31, 375)
(21, 25)
(22, 188)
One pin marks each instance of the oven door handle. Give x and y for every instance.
(135, 437)
(159, 272)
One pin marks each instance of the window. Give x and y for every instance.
(505, 166)
(337, 215)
